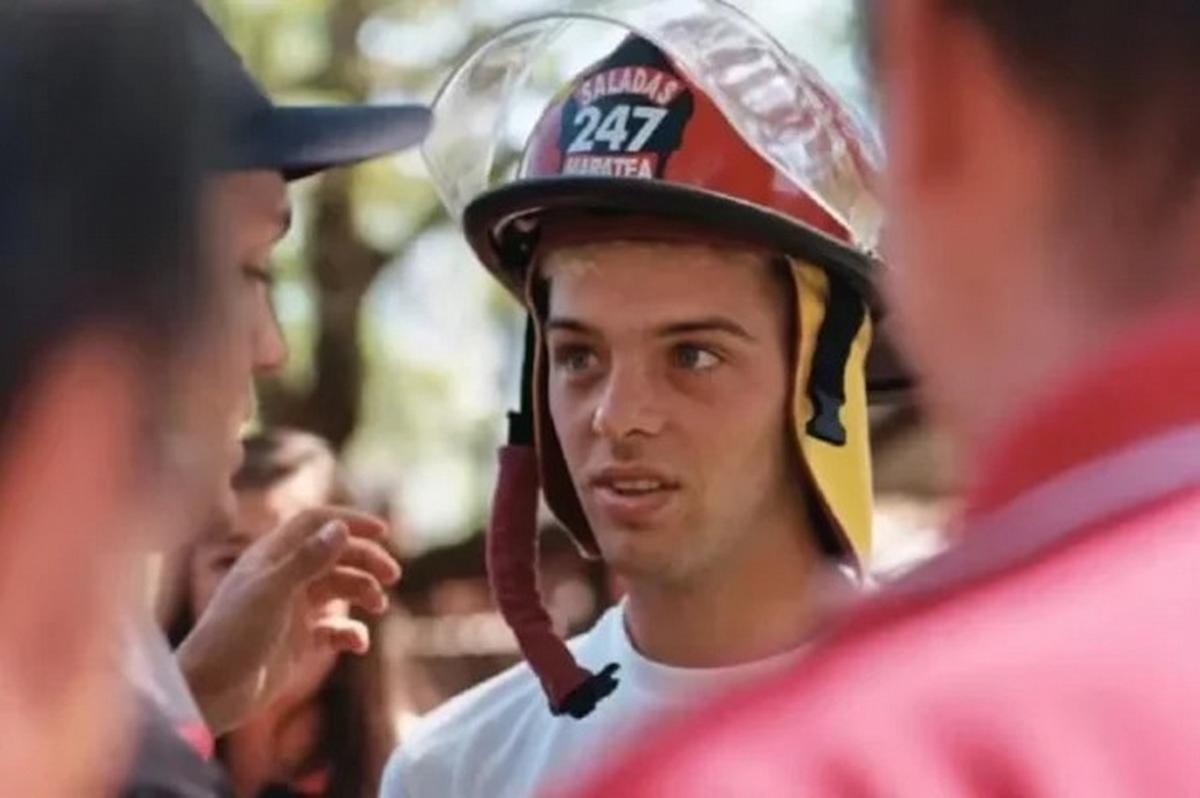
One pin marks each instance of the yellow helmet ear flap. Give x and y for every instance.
(830, 402)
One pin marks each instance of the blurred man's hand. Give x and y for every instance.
(275, 604)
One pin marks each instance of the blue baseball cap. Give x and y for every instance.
(295, 140)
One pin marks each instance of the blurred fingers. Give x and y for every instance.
(371, 557)
(313, 555)
(343, 635)
(301, 527)
(357, 587)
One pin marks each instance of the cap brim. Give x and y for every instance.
(485, 218)
(302, 140)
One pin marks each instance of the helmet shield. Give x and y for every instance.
(489, 109)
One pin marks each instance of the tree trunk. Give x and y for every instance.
(343, 268)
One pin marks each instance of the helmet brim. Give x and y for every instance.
(490, 224)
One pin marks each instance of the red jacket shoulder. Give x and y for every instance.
(1072, 673)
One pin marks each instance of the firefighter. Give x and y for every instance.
(694, 406)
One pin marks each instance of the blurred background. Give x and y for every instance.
(404, 353)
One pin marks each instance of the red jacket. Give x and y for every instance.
(1054, 652)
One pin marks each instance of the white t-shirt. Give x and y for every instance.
(499, 740)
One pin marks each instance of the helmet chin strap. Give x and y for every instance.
(845, 313)
(512, 564)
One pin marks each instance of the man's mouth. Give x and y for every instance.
(634, 487)
(632, 496)
(633, 481)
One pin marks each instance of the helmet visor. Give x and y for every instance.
(488, 109)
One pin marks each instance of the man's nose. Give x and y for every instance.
(628, 405)
(270, 348)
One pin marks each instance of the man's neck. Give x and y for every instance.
(1062, 318)
(760, 605)
(1071, 345)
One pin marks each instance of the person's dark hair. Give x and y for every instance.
(102, 146)
(1123, 74)
(357, 734)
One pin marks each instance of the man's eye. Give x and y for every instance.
(574, 359)
(694, 358)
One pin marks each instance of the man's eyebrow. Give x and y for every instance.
(708, 324)
(568, 324)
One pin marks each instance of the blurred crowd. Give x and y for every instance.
(741, 325)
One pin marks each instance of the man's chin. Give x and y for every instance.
(635, 557)
(235, 453)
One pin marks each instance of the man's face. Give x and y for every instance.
(249, 213)
(669, 383)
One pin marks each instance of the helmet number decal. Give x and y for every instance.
(651, 118)
(589, 117)
(626, 119)
(613, 130)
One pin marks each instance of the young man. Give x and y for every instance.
(1046, 189)
(228, 667)
(697, 388)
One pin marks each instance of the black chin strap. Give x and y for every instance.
(845, 313)
(520, 421)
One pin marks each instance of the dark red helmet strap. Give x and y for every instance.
(512, 560)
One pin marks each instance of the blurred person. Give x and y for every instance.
(696, 389)
(251, 636)
(104, 295)
(1045, 189)
(328, 732)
